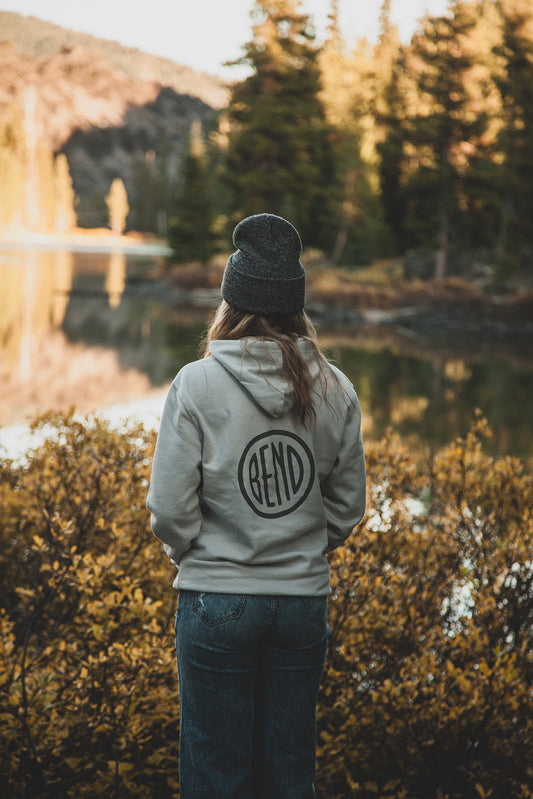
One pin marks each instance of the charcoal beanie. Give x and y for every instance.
(264, 275)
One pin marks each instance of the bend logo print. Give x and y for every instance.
(276, 473)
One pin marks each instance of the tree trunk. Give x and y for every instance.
(441, 259)
(348, 214)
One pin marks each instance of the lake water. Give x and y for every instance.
(85, 329)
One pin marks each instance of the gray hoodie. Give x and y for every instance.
(245, 499)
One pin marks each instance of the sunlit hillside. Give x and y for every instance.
(40, 39)
(104, 105)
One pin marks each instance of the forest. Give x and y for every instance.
(378, 151)
(373, 150)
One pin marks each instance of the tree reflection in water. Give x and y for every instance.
(80, 328)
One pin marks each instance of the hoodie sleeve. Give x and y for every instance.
(344, 489)
(173, 497)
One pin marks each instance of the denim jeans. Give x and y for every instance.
(249, 670)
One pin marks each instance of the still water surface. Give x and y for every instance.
(85, 329)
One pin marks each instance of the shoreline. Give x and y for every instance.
(100, 240)
(17, 439)
(448, 322)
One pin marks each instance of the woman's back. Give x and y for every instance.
(263, 525)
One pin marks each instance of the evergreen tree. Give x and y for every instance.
(279, 157)
(388, 108)
(150, 196)
(45, 188)
(480, 200)
(144, 200)
(143, 213)
(12, 166)
(516, 137)
(444, 123)
(32, 180)
(150, 201)
(163, 189)
(65, 214)
(117, 206)
(386, 28)
(393, 133)
(349, 99)
(354, 95)
(191, 227)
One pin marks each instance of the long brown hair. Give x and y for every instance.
(285, 329)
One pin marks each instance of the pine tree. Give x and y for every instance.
(516, 138)
(143, 194)
(393, 133)
(279, 158)
(191, 226)
(163, 189)
(150, 195)
(45, 188)
(480, 200)
(65, 214)
(445, 128)
(117, 206)
(353, 88)
(385, 57)
(12, 167)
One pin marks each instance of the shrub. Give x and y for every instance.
(427, 689)
(88, 703)
(427, 692)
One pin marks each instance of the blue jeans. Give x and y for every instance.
(249, 670)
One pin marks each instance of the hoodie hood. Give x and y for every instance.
(257, 366)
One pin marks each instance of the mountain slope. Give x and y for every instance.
(114, 111)
(40, 39)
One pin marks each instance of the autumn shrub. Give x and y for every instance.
(427, 688)
(427, 693)
(88, 704)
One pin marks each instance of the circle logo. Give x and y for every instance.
(276, 473)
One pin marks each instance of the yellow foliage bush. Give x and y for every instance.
(427, 693)
(427, 689)
(88, 702)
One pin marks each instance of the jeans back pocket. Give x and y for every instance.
(316, 608)
(215, 609)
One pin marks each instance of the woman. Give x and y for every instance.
(258, 472)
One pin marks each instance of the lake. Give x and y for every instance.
(86, 329)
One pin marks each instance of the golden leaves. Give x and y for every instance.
(426, 692)
(87, 606)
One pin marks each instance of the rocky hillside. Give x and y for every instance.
(115, 111)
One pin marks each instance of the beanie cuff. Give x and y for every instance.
(263, 295)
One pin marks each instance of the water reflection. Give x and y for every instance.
(29, 305)
(75, 330)
(115, 280)
(431, 400)
(47, 298)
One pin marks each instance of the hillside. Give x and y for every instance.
(39, 39)
(114, 111)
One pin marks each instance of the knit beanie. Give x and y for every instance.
(264, 275)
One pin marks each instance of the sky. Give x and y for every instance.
(204, 34)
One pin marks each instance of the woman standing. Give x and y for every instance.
(258, 472)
